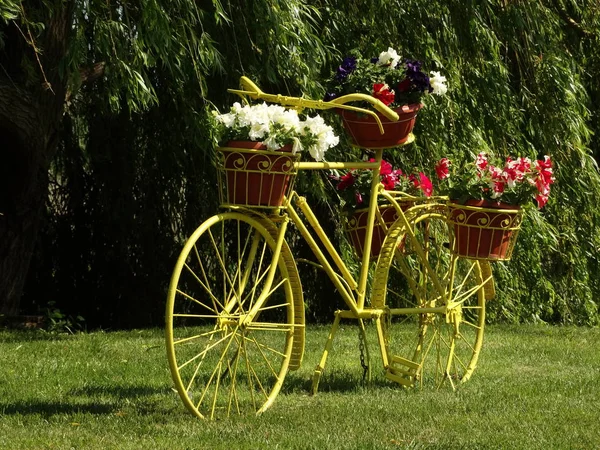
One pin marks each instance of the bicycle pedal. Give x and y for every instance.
(404, 381)
(399, 360)
(402, 371)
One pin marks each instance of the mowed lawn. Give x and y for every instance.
(535, 387)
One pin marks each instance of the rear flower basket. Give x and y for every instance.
(356, 227)
(252, 176)
(484, 230)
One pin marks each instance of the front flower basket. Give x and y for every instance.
(250, 175)
(485, 230)
(365, 133)
(356, 227)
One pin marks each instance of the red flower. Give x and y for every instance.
(386, 167)
(481, 161)
(544, 169)
(358, 197)
(495, 172)
(442, 168)
(541, 200)
(346, 181)
(425, 184)
(404, 85)
(382, 92)
(389, 182)
(414, 180)
(499, 187)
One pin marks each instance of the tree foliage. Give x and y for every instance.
(132, 174)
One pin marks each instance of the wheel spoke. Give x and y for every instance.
(197, 336)
(189, 297)
(206, 283)
(220, 255)
(202, 353)
(432, 278)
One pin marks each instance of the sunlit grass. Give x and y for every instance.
(535, 387)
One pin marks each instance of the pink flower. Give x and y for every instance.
(515, 170)
(398, 173)
(442, 168)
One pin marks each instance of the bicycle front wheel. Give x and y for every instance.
(432, 330)
(230, 317)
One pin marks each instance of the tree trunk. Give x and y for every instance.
(18, 231)
(23, 185)
(31, 112)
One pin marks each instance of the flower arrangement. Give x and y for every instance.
(275, 126)
(354, 187)
(387, 77)
(513, 181)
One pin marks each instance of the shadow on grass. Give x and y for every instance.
(49, 408)
(8, 336)
(120, 392)
(142, 398)
(332, 382)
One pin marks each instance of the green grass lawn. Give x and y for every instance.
(534, 387)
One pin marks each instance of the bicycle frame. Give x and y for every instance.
(353, 292)
(426, 301)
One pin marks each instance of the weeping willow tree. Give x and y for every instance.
(523, 80)
(114, 161)
(104, 141)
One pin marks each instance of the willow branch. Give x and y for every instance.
(562, 13)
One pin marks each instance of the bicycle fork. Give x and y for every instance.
(245, 318)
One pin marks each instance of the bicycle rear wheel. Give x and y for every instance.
(229, 330)
(432, 330)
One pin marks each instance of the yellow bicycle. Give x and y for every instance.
(235, 311)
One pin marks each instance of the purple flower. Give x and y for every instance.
(346, 68)
(330, 96)
(412, 66)
(419, 80)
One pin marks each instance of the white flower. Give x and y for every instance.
(438, 83)
(325, 138)
(274, 126)
(226, 119)
(271, 143)
(288, 119)
(390, 57)
(258, 130)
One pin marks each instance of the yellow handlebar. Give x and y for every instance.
(251, 90)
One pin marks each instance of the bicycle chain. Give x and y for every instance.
(361, 348)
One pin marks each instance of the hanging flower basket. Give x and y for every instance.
(365, 133)
(254, 177)
(485, 230)
(356, 227)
